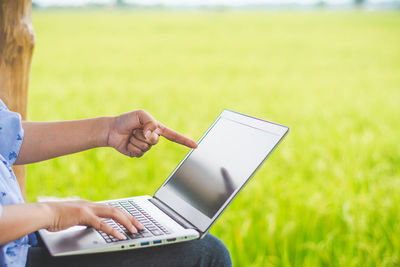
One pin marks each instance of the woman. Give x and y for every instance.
(131, 134)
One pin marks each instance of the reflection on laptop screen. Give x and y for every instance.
(221, 164)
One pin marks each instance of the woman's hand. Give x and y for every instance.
(65, 214)
(134, 133)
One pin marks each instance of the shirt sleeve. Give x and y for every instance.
(11, 134)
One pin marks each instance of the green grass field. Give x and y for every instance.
(328, 196)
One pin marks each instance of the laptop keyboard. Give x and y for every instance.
(151, 226)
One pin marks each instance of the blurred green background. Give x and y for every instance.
(328, 196)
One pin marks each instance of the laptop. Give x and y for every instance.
(193, 196)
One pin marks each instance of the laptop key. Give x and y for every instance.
(156, 232)
(164, 230)
(148, 234)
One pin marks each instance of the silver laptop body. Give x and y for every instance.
(192, 197)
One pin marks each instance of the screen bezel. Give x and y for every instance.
(201, 221)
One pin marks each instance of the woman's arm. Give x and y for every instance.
(19, 220)
(14, 218)
(131, 134)
(46, 140)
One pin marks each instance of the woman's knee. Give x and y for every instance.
(217, 254)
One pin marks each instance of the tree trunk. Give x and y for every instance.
(17, 40)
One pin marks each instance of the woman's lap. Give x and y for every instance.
(209, 251)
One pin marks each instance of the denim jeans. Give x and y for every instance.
(210, 251)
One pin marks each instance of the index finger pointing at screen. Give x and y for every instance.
(175, 136)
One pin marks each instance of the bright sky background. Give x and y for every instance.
(196, 2)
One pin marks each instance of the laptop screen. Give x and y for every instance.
(227, 156)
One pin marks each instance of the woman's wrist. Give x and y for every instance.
(47, 213)
(103, 129)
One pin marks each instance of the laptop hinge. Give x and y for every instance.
(171, 213)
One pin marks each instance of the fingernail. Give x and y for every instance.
(155, 137)
(121, 236)
(141, 226)
(133, 230)
(147, 134)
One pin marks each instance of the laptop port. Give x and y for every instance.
(131, 246)
(171, 239)
(157, 242)
(144, 243)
